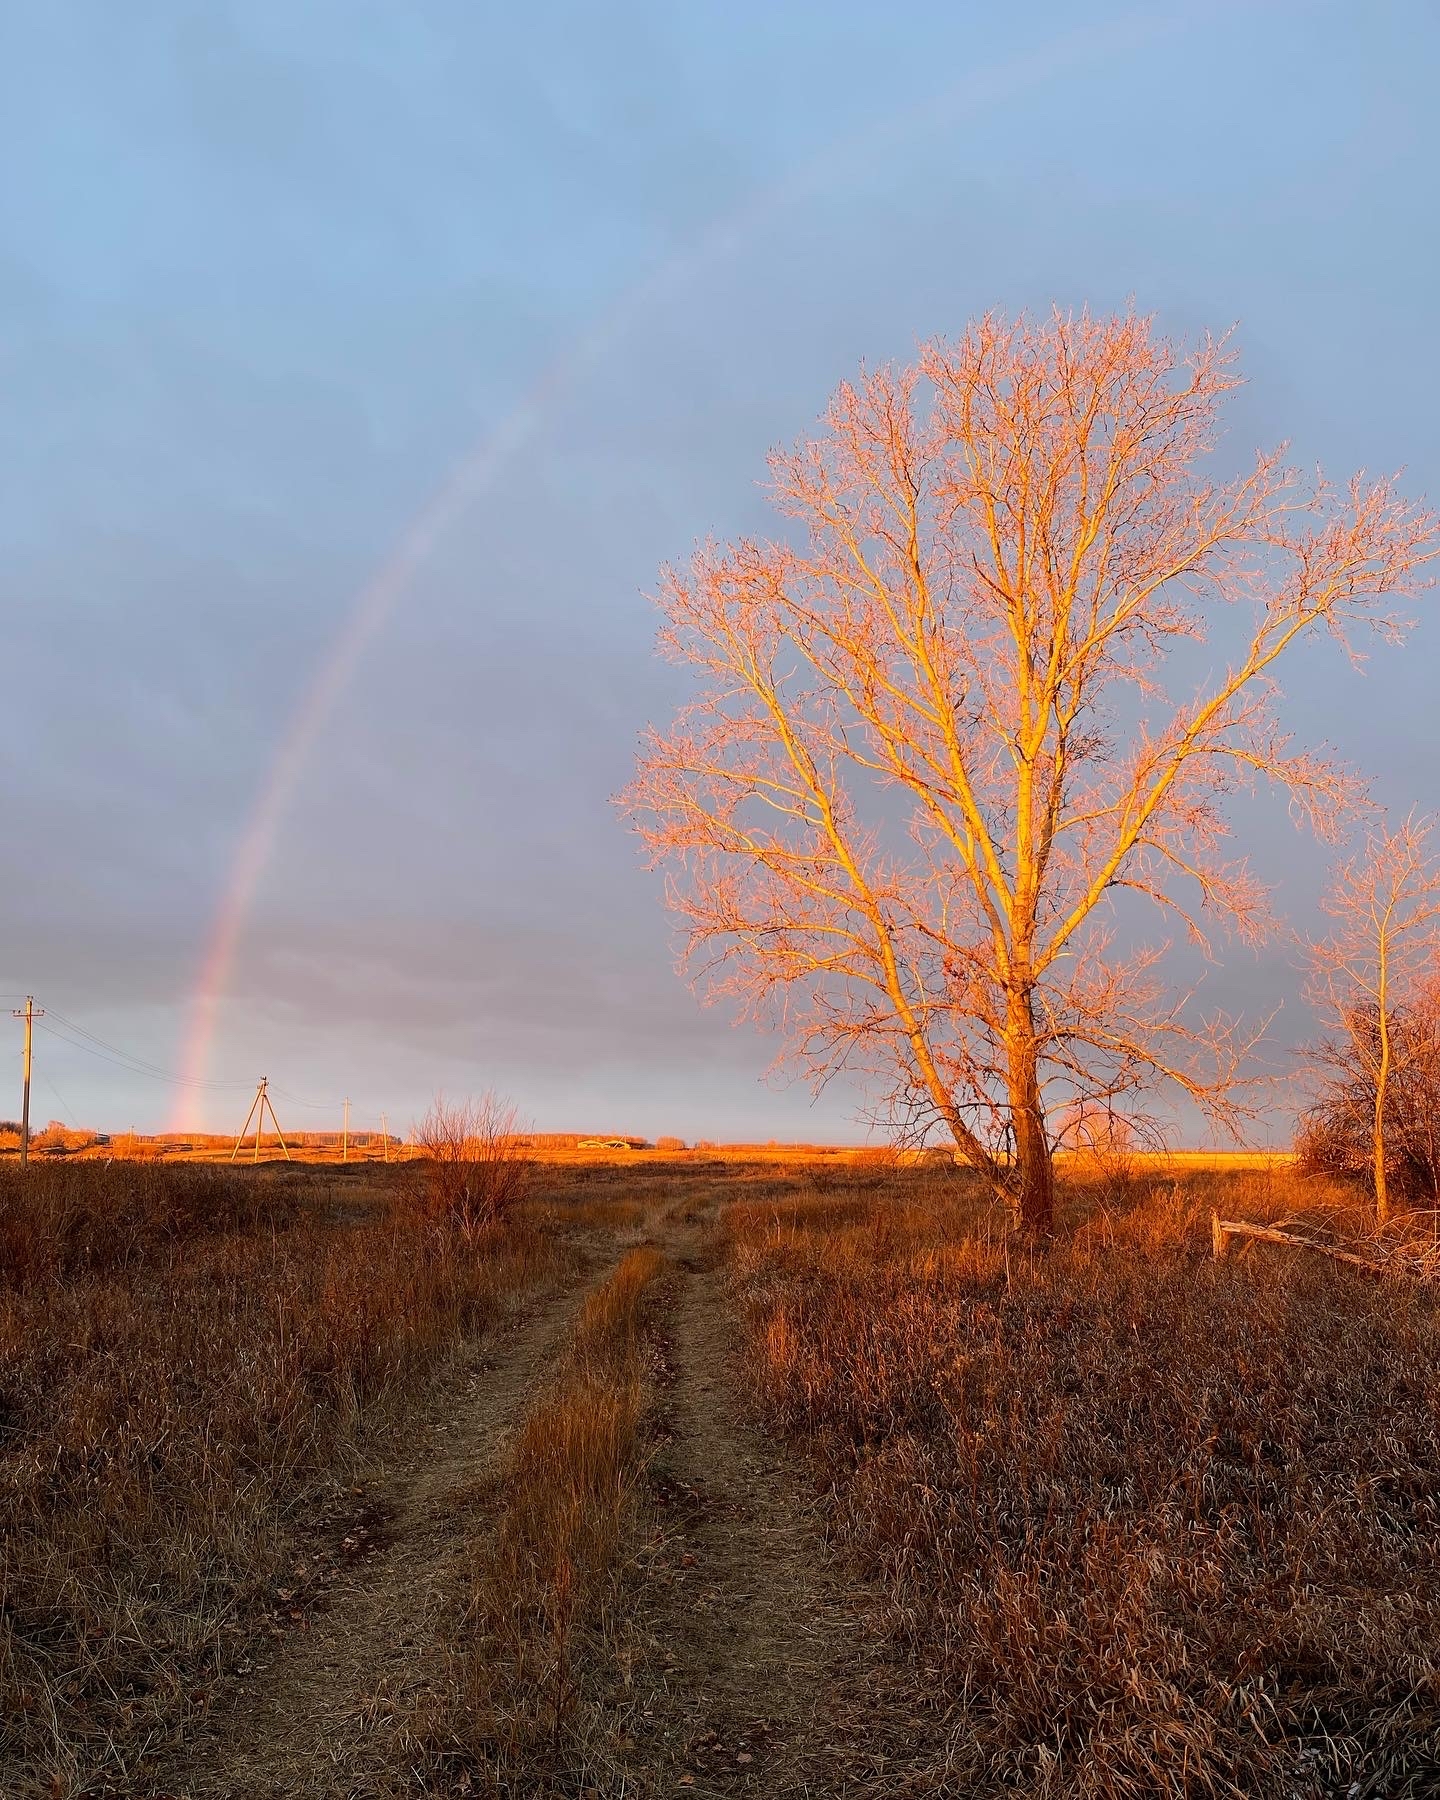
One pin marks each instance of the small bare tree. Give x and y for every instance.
(930, 750)
(475, 1164)
(1372, 975)
(1335, 1135)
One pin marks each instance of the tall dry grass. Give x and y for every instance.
(1146, 1524)
(537, 1585)
(183, 1352)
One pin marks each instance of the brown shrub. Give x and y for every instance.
(474, 1164)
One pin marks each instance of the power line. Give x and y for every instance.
(79, 1037)
(140, 1063)
(133, 1066)
(65, 1106)
(295, 1100)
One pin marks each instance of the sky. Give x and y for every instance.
(361, 362)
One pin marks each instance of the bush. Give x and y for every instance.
(59, 1138)
(473, 1164)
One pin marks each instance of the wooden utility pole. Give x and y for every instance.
(258, 1107)
(385, 1137)
(345, 1133)
(31, 1013)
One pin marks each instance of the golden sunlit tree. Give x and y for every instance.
(1374, 974)
(930, 766)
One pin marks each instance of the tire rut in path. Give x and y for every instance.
(760, 1656)
(310, 1722)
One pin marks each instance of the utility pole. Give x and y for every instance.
(345, 1133)
(257, 1110)
(385, 1136)
(31, 1013)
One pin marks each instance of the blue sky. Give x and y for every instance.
(270, 272)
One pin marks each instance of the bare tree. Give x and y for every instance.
(1372, 975)
(475, 1166)
(929, 753)
(1335, 1135)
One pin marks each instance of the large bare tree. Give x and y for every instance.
(1374, 975)
(930, 758)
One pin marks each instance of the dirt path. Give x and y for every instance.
(758, 1663)
(749, 1665)
(313, 1722)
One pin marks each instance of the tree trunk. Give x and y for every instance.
(1382, 1085)
(1034, 1170)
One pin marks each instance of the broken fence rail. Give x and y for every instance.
(1222, 1230)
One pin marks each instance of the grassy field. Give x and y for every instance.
(218, 1150)
(768, 1473)
(1145, 1523)
(190, 1360)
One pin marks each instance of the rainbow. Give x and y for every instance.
(477, 471)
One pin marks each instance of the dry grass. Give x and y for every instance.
(618, 1201)
(611, 1215)
(183, 1352)
(1147, 1524)
(537, 1586)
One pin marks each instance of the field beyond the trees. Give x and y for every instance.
(769, 1474)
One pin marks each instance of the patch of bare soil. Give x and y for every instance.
(754, 1667)
(355, 1638)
